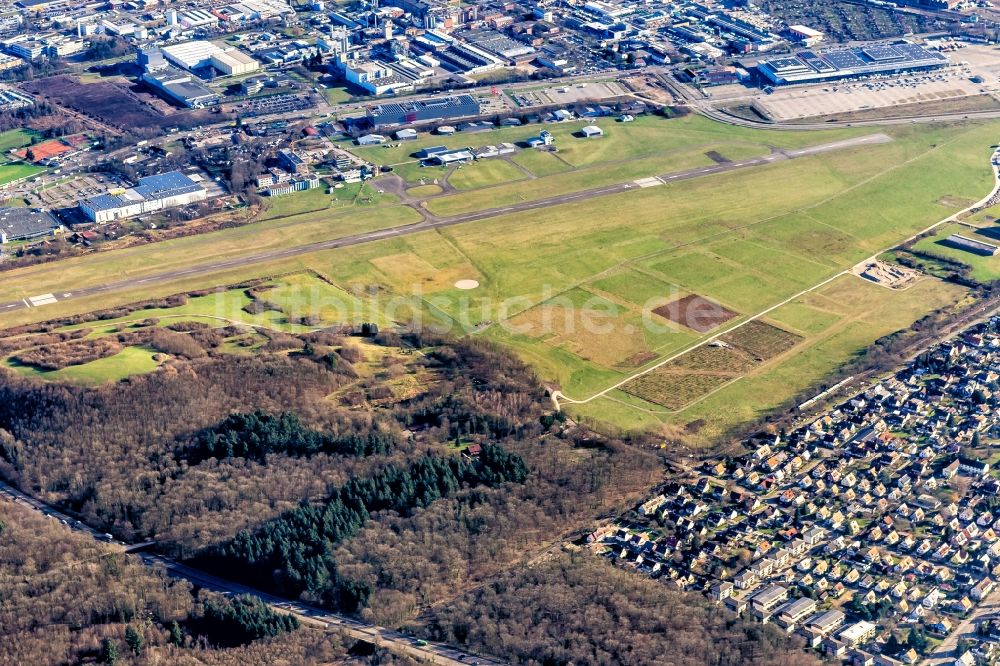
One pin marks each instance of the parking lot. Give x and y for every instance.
(971, 82)
(570, 93)
(845, 97)
(67, 193)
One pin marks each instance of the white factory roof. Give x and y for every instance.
(191, 54)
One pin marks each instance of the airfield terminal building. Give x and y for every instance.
(150, 194)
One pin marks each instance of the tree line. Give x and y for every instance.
(257, 434)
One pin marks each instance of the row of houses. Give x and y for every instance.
(882, 511)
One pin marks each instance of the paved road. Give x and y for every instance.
(947, 651)
(435, 653)
(431, 222)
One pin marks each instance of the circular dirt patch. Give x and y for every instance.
(466, 284)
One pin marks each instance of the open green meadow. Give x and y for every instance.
(647, 137)
(13, 171)
(317, 199)
(17, 138)
(571, 288)
(128, 362)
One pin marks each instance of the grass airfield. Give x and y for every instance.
(748, 240)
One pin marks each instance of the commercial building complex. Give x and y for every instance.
(424, 110)
(150, 194)
(201, 55)
(181, 87)
(814, 67)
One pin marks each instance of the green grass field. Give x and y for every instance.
(128, 362)
(337, 94)
(484, 173)
(570, 287)
(16, 171)
(17, 138)
(315, 200)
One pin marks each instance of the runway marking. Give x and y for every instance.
(652, 181)
(67, 294)
(44, 299)
(26, 303)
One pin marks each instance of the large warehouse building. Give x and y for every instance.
(181, 87)
(26, 223)
(424, 110)
(150, 194)
(813, 67)
(200, 55)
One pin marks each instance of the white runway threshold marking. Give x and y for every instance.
(44, 299)
(652, 181)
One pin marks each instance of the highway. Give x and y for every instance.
(432, 652)
(431, 222)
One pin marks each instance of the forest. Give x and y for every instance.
(276, 466)
(69, 599)
(578, 609)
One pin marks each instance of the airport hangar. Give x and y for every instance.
(858, 62)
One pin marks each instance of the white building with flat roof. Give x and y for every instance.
(200, 54)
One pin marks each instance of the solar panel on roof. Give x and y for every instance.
(883, 53)
(843, 60)
(820, 65)
(782, 64)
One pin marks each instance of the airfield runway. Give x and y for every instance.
(431, 222)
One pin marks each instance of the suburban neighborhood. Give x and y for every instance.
(872, 532)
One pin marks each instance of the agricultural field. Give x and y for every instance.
(697, 373)
(573, 287)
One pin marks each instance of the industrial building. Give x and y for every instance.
(201, 55)
(150, 194)
(376, 77)
(234, 63)
(813, 67)
(181, 87)
(424, 110)
(26, 223)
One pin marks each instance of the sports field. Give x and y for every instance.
(17, 138)
(572, 287)
(16, 171)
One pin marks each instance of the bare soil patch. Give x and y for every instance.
(116, 103)
(695, 312)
